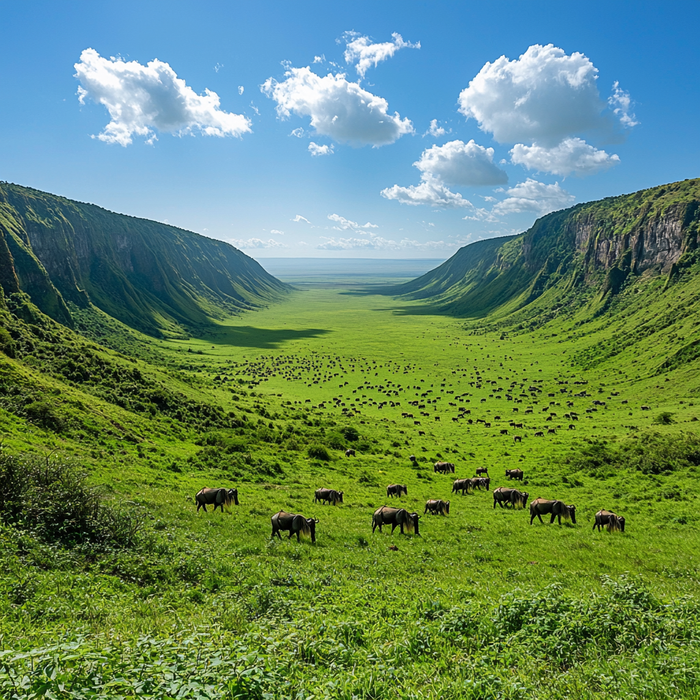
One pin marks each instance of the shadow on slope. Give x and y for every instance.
(262, 338)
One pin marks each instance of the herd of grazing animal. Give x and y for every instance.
(407, 522)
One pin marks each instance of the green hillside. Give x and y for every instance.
(597, 246)
(151, 276)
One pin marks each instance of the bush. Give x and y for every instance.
(350, 433)
(45, 415)
(51, 500)
(319, 452)
(664, 418)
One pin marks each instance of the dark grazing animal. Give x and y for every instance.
(463, 485)
(216, 497)
(515, 474)
(437, 507)
(396, 490)
(413, 459)
(349, 452)
(605, 518)
(513, 497)
(328, 496)
(558, 509)
(295, 524)
(481, 482)
(396, 517)
(444, 467)
(482, 470)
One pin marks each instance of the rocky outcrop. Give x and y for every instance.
(602, 243)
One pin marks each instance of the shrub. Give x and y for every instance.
(350, 433)
(664, 418)
(319, 452)
(51, 499)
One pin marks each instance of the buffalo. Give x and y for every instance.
(444, 467)
(558, 509)
(437, 507)
(604, 518)
(515, 474)
(396, 517)
(328, 496)
(463, 485)
(512, 497)
(216, 497)
(295, 524)
(396, 490)
(349, 452)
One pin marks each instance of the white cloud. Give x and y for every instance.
(621, 104)
(319, 59)
(362, 51)
(276, 232)
(141, 99)
(299, 218)
(430, 192)
(374, 242)
(572, 155)
(316, 150)
(435, 130)
(534, 196)
(256, 243)
(218, 67)
(343, 224)
(241, 89)
(459, 163)
(339, 109)
(544, 96)
(298, 132)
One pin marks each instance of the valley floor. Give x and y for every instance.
(480, 605)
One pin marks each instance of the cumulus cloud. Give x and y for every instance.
(316, 150)
(572, 155)
(430, 192)
(534, 196)
(435, 130)
(256, 243)
(374, 242)
(621, 104)
(544, 96)
(459, 163)
(144, 99)
(276, 232)
(338, 108)
(365, 54)
(299, 218)
(343, 224)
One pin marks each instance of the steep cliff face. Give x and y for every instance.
(651, 232)
(146, 274)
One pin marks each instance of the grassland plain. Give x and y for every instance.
(481, 605)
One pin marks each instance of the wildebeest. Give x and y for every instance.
(480, 482)
(395, 517)
(605, 518)
(463, 485)
(328, 496)
(558, 509)
(437, 507)
(444, 467)
(396, 490)
(216, 497)
(513, 497)
(482, 470)
(295, 524)
(349, 452)
(515, 474)
(413, 459)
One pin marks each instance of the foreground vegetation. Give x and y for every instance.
(112, 585)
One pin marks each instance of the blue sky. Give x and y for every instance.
(364, 129)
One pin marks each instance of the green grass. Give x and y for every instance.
(481, 605)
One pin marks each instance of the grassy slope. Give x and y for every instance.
(486, 278)
(152, 276)
(423, 620)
